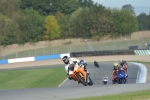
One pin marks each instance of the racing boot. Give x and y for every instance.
(113, 82)
(69, 77)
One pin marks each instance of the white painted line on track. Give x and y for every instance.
(142, 73)
(63, 82)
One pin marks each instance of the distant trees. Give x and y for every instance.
(143, 21)
(124, 21)
(64, 24)
(8, 7)
(37, 20)
(85, 3)
(128, 7)
(98, 22)
(31, 26)
(46, 7)
(5, 30)
(52, 30)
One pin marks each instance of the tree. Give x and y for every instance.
(124, 21)
(52, 29)
(47, 7)
(8, 7)
(31, 26)
(85, 3)
(129, 7)
(78, 23)
(143, 21)
(7, 32)
(101, 20)
(42, 6)
(64, 24)
(68, 6)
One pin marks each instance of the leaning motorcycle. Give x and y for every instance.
(121, 77)
(78, 74)
(105, 81)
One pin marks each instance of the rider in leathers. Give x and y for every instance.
(115, 72)
(69, 62)
(122, 63)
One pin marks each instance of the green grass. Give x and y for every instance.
(31, 78)
(138, 95)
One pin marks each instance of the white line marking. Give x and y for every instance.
(63, 82)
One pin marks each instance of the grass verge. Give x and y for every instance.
(31, 78)
(138, 95)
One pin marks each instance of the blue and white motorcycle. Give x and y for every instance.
(105, 80)
(121, 77)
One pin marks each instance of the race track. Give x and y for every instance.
(71, 89)
(105, 69)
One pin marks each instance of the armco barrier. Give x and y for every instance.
(102, 53)
(48, 57)
(37, 58)
(3, 61)
(16, 60)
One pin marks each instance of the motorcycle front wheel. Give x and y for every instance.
(90, 82)
(81, 79)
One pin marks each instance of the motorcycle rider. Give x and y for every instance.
(105, 78)
(69, 63)
(96, 64)
(114, 72)
(122, 64)
(116, 69)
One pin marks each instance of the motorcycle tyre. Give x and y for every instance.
(81, 79)
(90, 82)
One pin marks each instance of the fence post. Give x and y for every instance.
(16, 55)
(34, 52)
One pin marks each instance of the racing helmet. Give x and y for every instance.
(115, 65)
(83, 62)
(65, 59)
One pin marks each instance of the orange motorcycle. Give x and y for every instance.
(78, 74)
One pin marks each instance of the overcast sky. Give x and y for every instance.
(139, 5)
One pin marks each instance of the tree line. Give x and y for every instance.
(24, 21)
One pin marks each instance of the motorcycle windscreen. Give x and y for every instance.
(71, 67)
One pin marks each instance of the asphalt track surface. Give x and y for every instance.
(71, 89)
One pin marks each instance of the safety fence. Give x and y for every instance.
(77, 54)
(102, 53)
